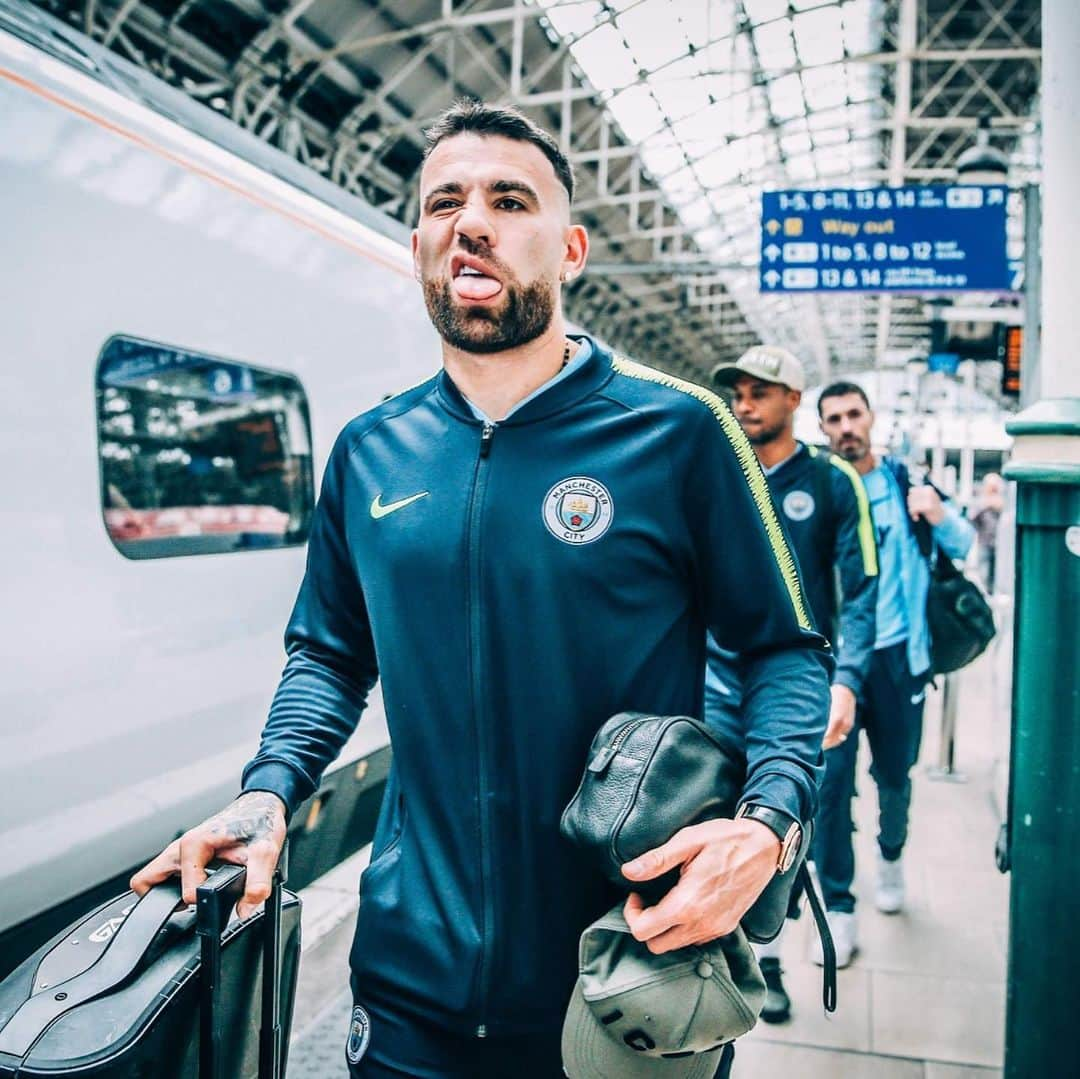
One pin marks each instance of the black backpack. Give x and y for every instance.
(959, 618)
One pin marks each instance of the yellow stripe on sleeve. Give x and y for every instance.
(748, 463)
(866, 520)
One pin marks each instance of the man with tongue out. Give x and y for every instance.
(493, 244)
(531, 541)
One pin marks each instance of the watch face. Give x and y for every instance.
(790, 849)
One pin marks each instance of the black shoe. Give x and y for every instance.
(777, 1007)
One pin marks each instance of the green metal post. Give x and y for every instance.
(1043, 1000)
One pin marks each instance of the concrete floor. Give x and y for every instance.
(925, 997)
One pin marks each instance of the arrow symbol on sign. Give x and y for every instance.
(772, 252)
(772, 227)
(772, 278)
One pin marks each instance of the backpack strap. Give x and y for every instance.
(920, 529)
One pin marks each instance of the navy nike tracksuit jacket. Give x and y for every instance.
(514, 585)
(826, 515)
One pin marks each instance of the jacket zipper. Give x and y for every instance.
(487, 435)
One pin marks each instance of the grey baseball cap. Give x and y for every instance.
(770, 363)
(635, 1015)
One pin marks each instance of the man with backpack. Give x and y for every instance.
(912, 522)
(827, 516)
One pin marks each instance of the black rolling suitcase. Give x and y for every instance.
(138, 990)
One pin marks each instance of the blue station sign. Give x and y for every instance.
(887, 239)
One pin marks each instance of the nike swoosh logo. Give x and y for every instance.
(379, 510)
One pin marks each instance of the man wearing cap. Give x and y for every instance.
(532, 540)
(827, 516)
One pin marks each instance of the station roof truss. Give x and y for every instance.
(677, 114)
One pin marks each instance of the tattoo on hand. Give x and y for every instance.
(251, 817)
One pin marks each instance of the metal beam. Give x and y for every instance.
(686, 266)
(633, 198)
(444, 25)
(118, 21)
(909, 29)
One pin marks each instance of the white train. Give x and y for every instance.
(189, 317)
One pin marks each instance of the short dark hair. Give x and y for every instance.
(842, 389)
(468, 116)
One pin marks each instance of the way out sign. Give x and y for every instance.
(887, 239)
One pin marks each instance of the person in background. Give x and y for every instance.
(909, 518)
(827, 517)
(987, 513)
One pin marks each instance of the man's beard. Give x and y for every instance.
(526, 313)
(853, 450)
(764, 435)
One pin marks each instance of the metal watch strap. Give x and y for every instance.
(785, 827)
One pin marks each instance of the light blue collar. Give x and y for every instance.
(780, 464)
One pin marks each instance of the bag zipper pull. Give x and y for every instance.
(599, 764)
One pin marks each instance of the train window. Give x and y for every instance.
(200, 455)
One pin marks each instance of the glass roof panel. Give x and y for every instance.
(786, 97)
(730, 105)
(681, 96)
(826, 87)
(649, 48)
(700, 22)
(637, 112)
(760, 10)
(861, 32)
(775, 48)
(720, 167)
(819, 35)
(605, 58)
(798, 143)
(573, 19)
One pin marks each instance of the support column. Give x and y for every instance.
(1044, 798)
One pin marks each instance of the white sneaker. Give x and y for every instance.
(770, 950)
(845, 942)
(889, 892)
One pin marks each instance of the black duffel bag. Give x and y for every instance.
(141, 990)
(960, 620)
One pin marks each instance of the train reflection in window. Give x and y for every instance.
(200, 455)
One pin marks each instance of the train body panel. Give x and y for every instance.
(134, 688)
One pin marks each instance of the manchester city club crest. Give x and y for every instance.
(359, 1035)
(798, 505)
(578, 510)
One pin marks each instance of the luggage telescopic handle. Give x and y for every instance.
(122, 956)
(213, 901)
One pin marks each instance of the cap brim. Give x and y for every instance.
(588, 1052)
(725, 374)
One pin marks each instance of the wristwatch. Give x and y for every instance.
(787, 830)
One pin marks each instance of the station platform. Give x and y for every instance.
(924, 998)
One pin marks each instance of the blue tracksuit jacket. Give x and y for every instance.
(834, 544)
(514, 585)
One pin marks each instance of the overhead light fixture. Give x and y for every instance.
(982, 163)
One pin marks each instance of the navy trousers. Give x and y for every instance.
(890, 713)
(390, 1045)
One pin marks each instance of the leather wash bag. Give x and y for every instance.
(649, 776)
